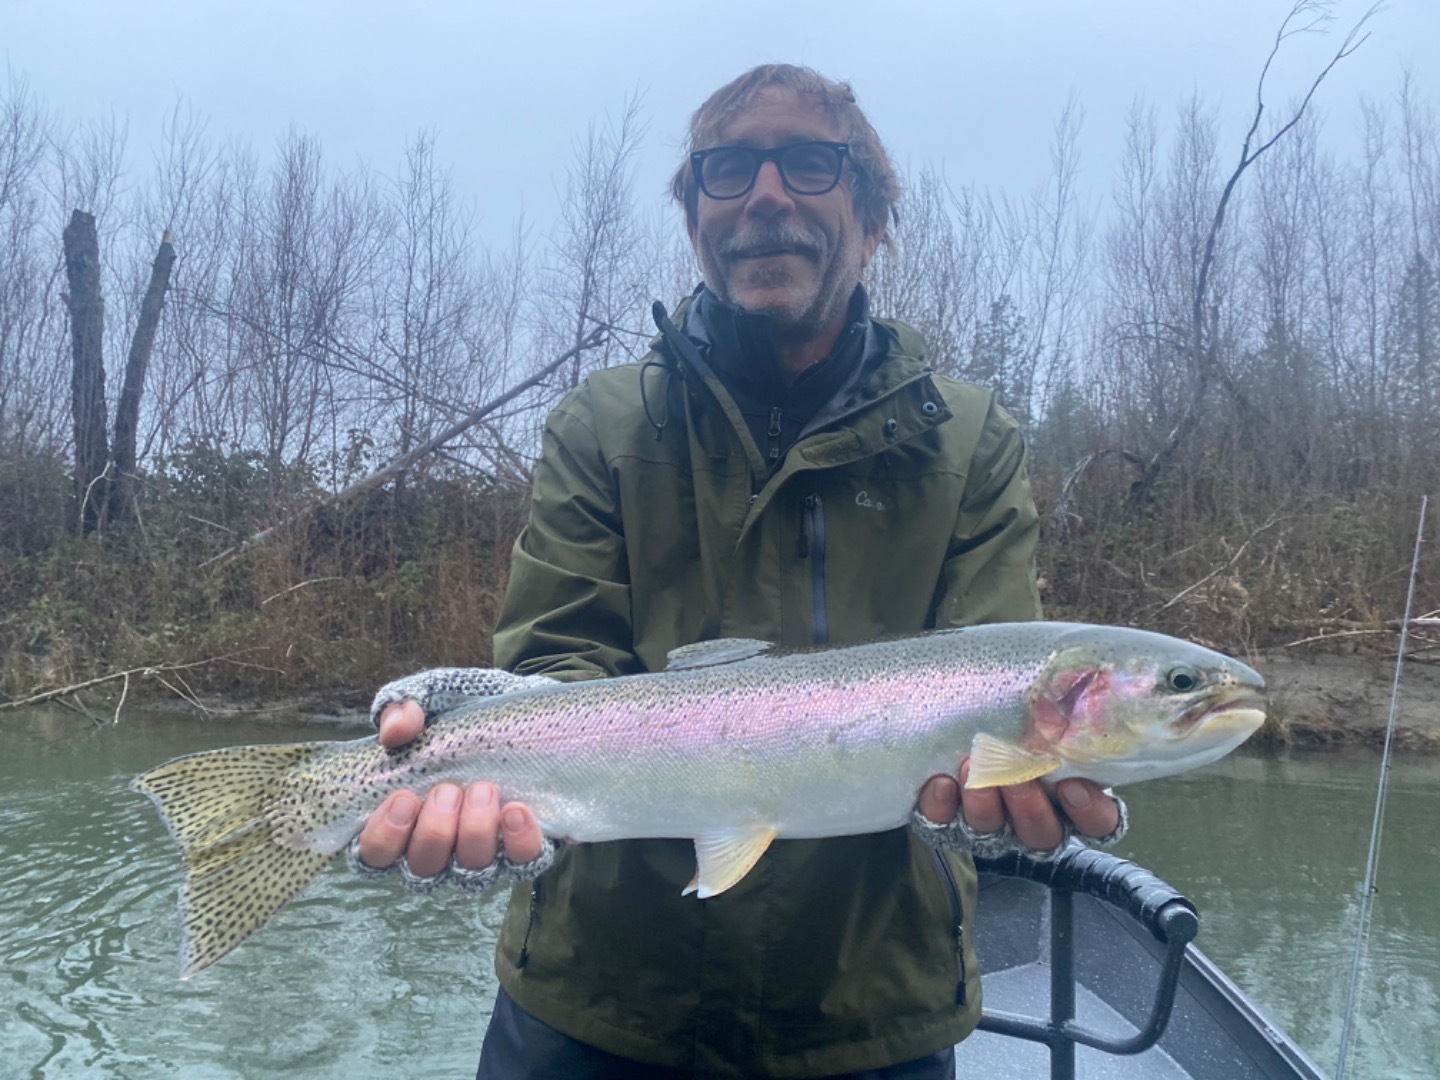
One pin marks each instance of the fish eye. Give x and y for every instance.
(1182, 678)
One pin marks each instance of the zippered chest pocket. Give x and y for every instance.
(957, 922)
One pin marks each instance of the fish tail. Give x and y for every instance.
(222, 807)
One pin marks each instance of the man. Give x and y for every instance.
(782, 466)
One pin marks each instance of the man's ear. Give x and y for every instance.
(869, 245)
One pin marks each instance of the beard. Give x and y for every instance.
(801, 302)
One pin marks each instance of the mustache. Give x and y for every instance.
(764, 237)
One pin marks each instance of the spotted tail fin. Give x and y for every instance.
(220, 807)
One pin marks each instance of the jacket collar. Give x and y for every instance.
(892, 366)
(739, 347)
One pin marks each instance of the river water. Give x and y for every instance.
(365, 981)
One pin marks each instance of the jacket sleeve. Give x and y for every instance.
(989, 573)
(567, 607)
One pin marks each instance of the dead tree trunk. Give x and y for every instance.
(127, 410)
(87, 328)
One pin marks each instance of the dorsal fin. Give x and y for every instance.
(712, 653)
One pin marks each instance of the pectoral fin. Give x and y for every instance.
(995, 763)
(723, 858)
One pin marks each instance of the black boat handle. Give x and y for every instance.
(1119, 882)
(1170, 917)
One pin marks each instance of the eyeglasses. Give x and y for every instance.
(806, 168)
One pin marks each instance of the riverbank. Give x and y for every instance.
(1343, 700)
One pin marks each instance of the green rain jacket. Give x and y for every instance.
(657, 522)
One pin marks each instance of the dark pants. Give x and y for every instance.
(520, 1047)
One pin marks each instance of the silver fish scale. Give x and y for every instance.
(814, 742)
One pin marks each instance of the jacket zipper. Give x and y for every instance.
(774, 433)
(524, 957)
(957, 915)
(812, 547)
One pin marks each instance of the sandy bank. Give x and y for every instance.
(1344, 700)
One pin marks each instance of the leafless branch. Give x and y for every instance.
(593, 340)
(124, 693)
(155, 671)
(1062, 515)
(1219, 569)
(298, 585)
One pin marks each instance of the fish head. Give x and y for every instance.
(1118, 705)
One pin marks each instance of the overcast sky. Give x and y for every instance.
(970, 86)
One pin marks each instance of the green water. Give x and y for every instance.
(1273, 852)
(358, 980)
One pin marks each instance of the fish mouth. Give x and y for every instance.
(1240, 709)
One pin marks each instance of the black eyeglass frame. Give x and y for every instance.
(697, 166)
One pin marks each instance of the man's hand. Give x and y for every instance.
(1030, 811)
(469, 824)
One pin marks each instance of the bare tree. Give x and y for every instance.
(28, 387)
(1305, 16)
(305, 247)
(1419, 133)
(89, 160)
(994, 284)
(929, 275)
(427, 295)
(189, 196)
(593, 278)
(1377, 236)
(1034, 302)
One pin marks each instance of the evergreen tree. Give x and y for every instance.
(1415, 345)
(997, 357)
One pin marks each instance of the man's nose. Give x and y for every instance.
(769, 195)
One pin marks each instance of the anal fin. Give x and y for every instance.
(723, 858)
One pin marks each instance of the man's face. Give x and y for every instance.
(795, 258)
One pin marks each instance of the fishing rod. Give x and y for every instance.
(1367, 889)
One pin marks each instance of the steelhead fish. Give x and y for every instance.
(735, 743)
